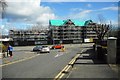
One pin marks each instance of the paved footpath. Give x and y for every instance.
(87, 67)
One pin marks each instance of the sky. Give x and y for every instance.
(22, 14)
(84, 10)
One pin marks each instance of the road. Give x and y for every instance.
(46, 65)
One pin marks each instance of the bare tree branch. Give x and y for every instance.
(100, 29)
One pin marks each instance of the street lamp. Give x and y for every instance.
(1, 27)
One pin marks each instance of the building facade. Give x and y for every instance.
(89, 33)
(59, 32)
(67, 31)
(71, 31)
(29, 37)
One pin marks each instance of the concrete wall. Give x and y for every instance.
(111, 50)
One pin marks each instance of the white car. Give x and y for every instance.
(45, 49)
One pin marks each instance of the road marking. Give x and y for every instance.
(66, 68)
(61, 76)
(19, 60)
(60, 54)
(70, 73)
(60, 73)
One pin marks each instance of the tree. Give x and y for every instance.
(100, 29)
(3, 5)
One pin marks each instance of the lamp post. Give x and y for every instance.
(2, 26)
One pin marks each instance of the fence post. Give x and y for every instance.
(111, 50)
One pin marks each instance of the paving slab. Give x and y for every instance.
(93, 71)
(87, 67)
(84, 61)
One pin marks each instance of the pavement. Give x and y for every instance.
(88, 67)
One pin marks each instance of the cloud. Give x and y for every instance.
(81, 15)
(44, 18)
(89, 5)
(29, 11)
(85, 12)
(110, 8)
(2, 27)
(76, 9)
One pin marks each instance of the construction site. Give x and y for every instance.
(70, 31)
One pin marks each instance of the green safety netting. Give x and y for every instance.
(62, 22)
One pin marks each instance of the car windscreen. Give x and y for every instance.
(38, 47)
(44, 46)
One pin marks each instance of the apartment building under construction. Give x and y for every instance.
(60, 31)
(70, 31)
(29, 37)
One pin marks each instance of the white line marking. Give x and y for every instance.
(19, 60)
(59, 54)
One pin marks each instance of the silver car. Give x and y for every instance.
(45, 49)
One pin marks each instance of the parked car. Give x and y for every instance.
(37, 48)
(45, 49)
(58, 46)
(41, 49)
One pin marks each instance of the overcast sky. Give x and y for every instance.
(22, 13)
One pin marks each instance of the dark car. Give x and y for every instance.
(37, 48)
